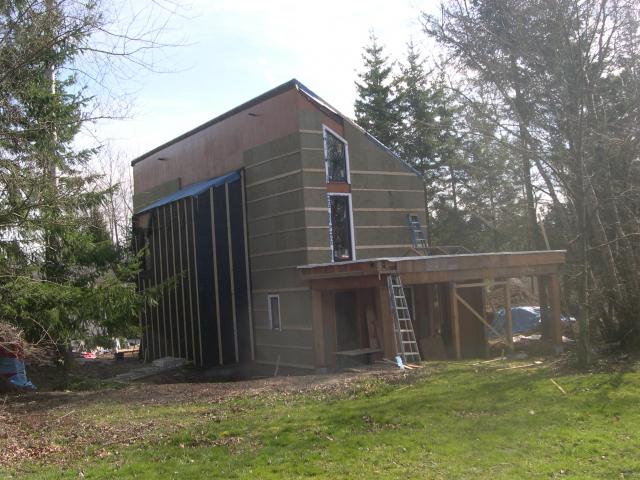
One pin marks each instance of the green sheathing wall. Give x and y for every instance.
(383, 191)
(315, 195)
(288, 225)
(276, 196)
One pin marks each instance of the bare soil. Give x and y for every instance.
(54, 426)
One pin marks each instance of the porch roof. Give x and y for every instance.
(437, 269)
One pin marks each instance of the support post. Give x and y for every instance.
(318, 329)
(455, 321)
(383, 310)
(507, 315)
(554, 301)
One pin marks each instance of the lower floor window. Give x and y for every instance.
(274, 311)
(340, 228)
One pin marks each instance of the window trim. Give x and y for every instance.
(326, 129)
(271, 327)
(351, 229)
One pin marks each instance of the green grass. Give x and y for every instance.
(457, 421)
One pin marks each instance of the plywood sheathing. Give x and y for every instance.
(218, 148)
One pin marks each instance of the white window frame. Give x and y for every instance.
(351, 229)
(269, 297)
(326, 129)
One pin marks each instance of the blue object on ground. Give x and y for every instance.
(523, 320)
(14, 370)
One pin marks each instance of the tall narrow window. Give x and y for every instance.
(274, 311)
(340, 228)
(335, 154)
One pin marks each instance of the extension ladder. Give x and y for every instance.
(405, 336)
(417, 235)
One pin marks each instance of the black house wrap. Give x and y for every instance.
(196, 252)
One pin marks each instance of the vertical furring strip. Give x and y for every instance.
(188, 251)
(246, 261)
(195, 266)
(158, 261)
(175, 288)
(166, 257)
(182, 282)
(215, 274)
(233, 286)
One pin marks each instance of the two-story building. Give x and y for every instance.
(273, 229)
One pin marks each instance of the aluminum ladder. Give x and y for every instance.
(417, 235)
(405, 336)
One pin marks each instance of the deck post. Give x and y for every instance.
(554, 301)
(383, 311)
(455, 322)
(507, 315)
(318, 329)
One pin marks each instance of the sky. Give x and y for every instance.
(225, 52)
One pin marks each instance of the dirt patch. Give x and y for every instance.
(81, 372)
(53, 426)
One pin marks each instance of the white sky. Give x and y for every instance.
(236, 50)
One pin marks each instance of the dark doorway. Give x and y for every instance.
(347, 322)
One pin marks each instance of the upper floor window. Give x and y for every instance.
(336, 157)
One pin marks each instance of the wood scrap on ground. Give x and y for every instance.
(537, 363)
(558, 385)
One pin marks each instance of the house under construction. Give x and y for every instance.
(286, 234)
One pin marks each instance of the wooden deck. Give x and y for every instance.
(459, 272)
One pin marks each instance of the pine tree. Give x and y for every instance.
(429, 137)
(59, 270)
(417, 142)
(376, 106)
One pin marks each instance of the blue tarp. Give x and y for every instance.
(13, 369)
(192, 190)
(524, 320)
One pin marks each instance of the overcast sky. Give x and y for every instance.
(234, 50)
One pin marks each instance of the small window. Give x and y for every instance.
(274, 311)
(340, 228)
(335, 154)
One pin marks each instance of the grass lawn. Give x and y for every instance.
(455, 420)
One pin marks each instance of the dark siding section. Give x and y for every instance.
(177, 275)
(227, 327)
(170, 275)
(187, 314)
(193, 274)
(191, 250)
(157, 276)
(206, 288)
(236, 220)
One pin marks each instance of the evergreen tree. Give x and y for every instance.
(430, 136)
(490, 193)
(59, 271)
(376, 106)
